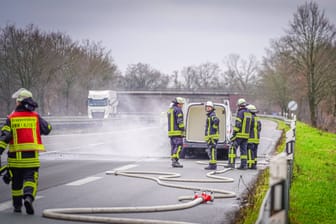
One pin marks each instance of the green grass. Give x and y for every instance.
(313, 189)
(312, 195)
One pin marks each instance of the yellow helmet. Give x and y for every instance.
(22, 94)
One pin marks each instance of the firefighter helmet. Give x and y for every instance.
(22, 94)
(241, 102)
(209, 104)
(179, 100)
(252, 108)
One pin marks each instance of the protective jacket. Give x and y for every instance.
(22, 131)
(175, 121)
(255, 130)
(211, 126)
(243, 123)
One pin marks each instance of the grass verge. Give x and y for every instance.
(312, 193)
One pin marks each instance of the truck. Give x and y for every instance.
(102, 104)
(194, 143)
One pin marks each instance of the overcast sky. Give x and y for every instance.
(167, 34)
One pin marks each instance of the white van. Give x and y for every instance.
(195, 119)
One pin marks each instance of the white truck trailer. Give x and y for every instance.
(195, 119)
(102, 103)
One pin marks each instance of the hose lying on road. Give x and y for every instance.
(72, 214)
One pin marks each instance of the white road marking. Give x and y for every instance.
(126, 167)
(9, 204)
(83, 181)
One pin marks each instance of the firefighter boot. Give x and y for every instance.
(28, 203)
(176, 164)
(211, 167)
(17, 210)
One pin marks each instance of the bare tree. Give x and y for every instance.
(143, 77)
(276, 84)
(205, 76)
(241, 75)
(308, 44)
(7, 78)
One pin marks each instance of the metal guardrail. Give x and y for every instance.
(83, 123)
(275, 206)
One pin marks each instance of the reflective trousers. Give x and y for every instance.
(242, 144)
(24, 183)
(176, 143)
(252, 152)
(212, 151)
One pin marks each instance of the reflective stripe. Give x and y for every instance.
(232, 154)
(6, 128)
(213, 158)
(3, 144)
(31, 184)
(250, 161)
(17, 192)
(19, 162)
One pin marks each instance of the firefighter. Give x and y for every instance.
(211, 135)
(176, 130)
(254, 138)
(22, 132)
(241, 133)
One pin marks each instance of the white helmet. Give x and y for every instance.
(179, 100)
(241, 102)
(252, 108)
(209, 104)
(22, 94)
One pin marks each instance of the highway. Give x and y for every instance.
(77, 172)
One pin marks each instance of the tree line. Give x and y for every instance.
(59, 71)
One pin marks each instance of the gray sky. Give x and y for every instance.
(168, 35)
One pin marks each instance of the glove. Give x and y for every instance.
(7, 177)
(233, 138)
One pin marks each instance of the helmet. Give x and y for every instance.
(179, 100)
(209, 104)
(22, 94)
(241, 102)
(252, 108)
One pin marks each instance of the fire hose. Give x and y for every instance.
(73, 214)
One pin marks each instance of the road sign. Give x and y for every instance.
(292, 105)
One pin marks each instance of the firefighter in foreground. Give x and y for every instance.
(22, 132)
(241, 133)
(176, 130)
(254, 139)
(211, 135)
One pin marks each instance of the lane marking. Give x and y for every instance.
(83, 181)
(9, 204)
(126, 167)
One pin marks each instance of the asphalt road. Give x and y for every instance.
(74, 175)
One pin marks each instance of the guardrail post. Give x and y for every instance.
(279, 189)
